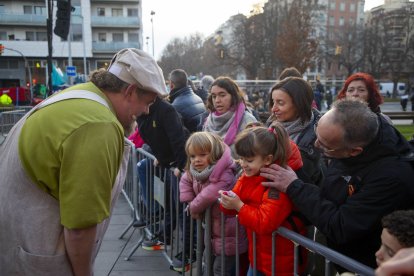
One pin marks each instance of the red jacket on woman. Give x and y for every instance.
(264, 210)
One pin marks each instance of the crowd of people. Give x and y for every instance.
(347, 173)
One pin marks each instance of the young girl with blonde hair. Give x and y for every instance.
(210, 168)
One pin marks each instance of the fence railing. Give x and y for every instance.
(9, 118)
(156, 212)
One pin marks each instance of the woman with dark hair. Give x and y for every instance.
(291, 104)
(228, 113)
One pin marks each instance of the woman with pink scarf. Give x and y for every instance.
(228, 113)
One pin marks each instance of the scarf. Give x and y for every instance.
(226, 125)
(295, 128)
(203, 175)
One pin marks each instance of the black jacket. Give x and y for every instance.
(163, 131)
(189, 105)
(357, 193)
(313, 165)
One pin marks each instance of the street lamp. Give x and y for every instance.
(152, 26)
(147, 38)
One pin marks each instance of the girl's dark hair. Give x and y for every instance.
(264, 141)
(374, 96)
(301, 93)
(231, 87)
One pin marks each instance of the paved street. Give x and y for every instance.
(110, 260)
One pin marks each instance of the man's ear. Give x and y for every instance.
(129, 90)
(356, 151)
(268, 159)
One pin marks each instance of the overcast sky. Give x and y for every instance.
(180, 18)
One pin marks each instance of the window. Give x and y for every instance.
(2, 9)
(332, 5)
(27, 9)
(102, 37)
(3, 35)
(13, 64)
(116, 12)
(76, 30)
(341, 21)
(342, 6)
(40, 10)
(118, 37)
(30, 36)
(41, 36)
(132, 12)
(132, 37)
(352, 7)
(101, 11)
(351, 21)
(102, 64)
(331, 21)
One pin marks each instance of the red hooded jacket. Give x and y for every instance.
(264, 210)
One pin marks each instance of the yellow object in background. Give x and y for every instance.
(5, 99)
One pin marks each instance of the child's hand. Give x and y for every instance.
(230, 200)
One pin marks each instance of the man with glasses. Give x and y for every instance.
(367, 178)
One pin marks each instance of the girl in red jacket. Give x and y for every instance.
(262, 210)
(210, 168)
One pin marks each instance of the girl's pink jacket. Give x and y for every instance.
(200, 196)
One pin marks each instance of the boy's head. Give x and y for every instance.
(397, 233)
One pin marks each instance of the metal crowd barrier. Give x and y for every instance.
(9, 118)
(157, 216)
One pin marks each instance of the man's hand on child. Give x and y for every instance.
(230, 200)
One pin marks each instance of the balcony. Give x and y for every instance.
(23, 19)
(115, 22)
(112, 47)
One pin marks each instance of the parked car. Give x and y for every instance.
(386, 88)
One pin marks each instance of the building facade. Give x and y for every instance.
(99, 28)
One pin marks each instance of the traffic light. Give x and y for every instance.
(64, 9)
(338, 50)
(1, 49)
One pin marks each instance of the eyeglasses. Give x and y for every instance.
(318, 143)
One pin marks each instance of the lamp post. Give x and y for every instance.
(152, 26)
(147, 44)
(27, 65)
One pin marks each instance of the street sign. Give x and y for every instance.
(71, 71)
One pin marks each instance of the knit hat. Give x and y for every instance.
(134, 66)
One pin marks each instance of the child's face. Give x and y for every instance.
(252, 165)
(389, 246)
(199, 160)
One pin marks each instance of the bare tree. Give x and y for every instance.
(294, 47)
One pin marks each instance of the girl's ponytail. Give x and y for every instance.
(283, 151)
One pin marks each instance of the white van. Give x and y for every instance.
(389, 86)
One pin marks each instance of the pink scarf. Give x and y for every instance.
(233, 129)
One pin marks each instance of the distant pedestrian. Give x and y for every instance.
(404, 101)
(205, 85)
(328, 99)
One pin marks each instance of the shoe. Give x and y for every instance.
(152, 245)
(177, 263)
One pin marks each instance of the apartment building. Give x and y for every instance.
(99, 28)
(393, 24)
